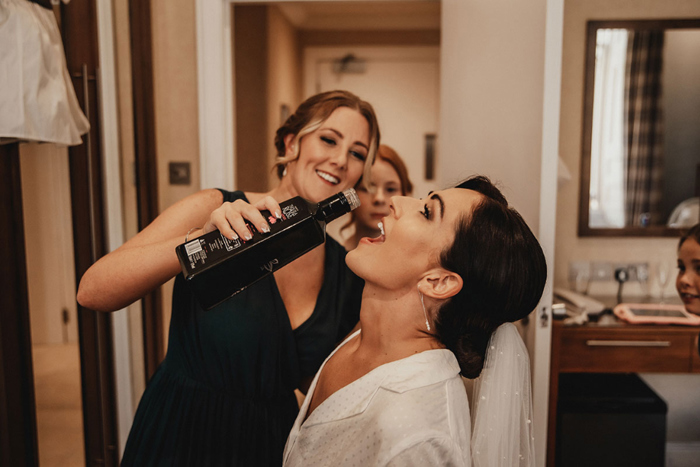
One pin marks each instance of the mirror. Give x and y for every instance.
(640, 162)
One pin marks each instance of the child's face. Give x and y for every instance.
(688, 280)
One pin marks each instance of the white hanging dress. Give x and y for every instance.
(37, 99)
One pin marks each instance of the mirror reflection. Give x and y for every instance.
(641, 157)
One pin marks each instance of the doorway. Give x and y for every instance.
(52, 307)
(403, 86)
(285, 52)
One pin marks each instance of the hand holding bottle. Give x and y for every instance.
(232, 219)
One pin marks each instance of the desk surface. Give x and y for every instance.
(611, 345)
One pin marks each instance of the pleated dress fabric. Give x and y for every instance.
(224, 394)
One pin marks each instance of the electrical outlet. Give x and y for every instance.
(601, 271)
(637, 272)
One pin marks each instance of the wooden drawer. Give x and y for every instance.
(638, 349)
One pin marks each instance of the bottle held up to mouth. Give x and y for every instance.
(218, 268)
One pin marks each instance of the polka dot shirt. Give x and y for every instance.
(412, 411)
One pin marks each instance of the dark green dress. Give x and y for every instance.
(224, 394)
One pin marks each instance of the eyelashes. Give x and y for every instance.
(333, 142)
(426, 212)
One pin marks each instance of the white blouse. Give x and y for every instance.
(37, 99)
(408, 412)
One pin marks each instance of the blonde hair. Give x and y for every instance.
(311, 114)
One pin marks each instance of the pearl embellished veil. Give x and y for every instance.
(502, 404)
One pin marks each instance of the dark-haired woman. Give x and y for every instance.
(445, 274)
(224, 395)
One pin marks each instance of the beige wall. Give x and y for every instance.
(570, 247)
(283, 79)
(175, 95)
(250, 50)
(48, 233)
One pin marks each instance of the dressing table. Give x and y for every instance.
(613, 346)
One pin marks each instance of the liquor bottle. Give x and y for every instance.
(217, 268)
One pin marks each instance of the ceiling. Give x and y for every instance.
(363, 15)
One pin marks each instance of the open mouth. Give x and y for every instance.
(689, 296)
(377, 240)
(328, 177)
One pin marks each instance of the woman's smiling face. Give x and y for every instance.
(331, 158)
(688, 280)
(415, 233)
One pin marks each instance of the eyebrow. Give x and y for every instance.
(340, 135)
(437, 198)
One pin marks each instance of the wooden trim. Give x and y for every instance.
(79, 34)
(589, 79)
(94, 329)
(18, 435)
(146, 166)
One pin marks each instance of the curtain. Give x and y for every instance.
(608, 169)
(643, 128)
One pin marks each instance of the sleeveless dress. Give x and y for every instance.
(224, 394)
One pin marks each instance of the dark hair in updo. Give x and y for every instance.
(693, 233)
(503, 270)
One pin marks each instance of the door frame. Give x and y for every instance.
(18, 429)
(217, 154)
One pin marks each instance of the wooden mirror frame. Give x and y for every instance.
(584, 198)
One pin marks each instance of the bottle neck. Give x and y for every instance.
(332, 208)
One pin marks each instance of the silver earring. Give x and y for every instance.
(284, 172)
(425, 313)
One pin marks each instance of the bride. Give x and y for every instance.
(440, 282)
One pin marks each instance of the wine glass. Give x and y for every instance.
(582, 280)
(663, 275)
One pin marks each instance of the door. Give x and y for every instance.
(402, 84)
(18, 423)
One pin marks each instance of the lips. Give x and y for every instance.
(687, 297)
(333, 180)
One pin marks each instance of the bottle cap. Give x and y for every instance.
(353, 200)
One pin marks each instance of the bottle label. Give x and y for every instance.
(290, 211)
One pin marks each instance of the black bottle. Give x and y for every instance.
(217, 268)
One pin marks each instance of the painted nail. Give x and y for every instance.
(266, 228)
(248, 236)
(278, 215)
(234, 236)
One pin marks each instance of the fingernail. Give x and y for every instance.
(278, 215)
(266, 228)
(248, 236)
(234, 236)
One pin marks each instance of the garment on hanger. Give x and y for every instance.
(37, 99)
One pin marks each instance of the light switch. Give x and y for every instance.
(179, 173)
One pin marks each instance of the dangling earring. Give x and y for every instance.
(425, 313)
(284, 172)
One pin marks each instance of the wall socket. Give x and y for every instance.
(601, 271)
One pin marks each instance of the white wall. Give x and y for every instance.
(492, 90)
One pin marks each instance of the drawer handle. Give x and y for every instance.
(594, 343)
